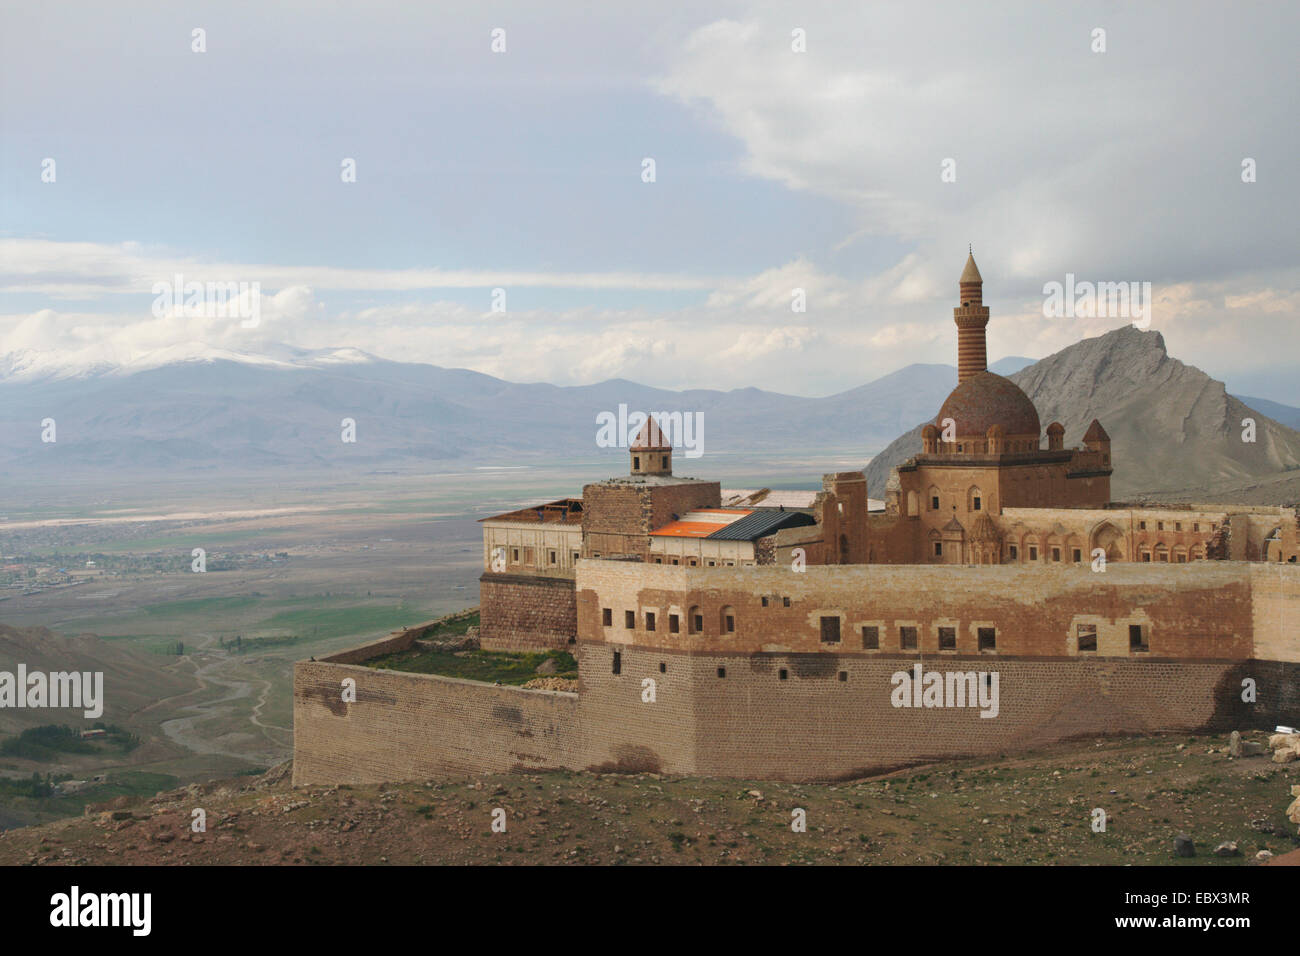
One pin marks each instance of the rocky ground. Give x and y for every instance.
(1035, 808)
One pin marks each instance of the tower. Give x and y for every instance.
(651, 452)
(971, 317)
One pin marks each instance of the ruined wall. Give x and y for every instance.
(520, 612)
(417, 726)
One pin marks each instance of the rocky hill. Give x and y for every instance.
(1172, 427)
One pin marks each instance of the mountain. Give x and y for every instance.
(196, 411)
(1286, 414)
(1172, 427)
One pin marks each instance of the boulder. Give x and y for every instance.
(1284, 741)
(1251, 748)
(1285, 756)
(1183, 845)
(1263, 856)
(1227, 848)
(547, 666)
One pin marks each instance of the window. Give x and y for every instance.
(934, 502)
(665, 462)
(697, 621)
(1196, 526)
(728, 619)
(830, 630)
(907, 638)
(606, 616)
(870, 637)
(1015, 553)
(1077, 555)
(1160, 526)
(553, 557)
(975, 503)
(1056, 554)
(988, 638)
(764, 602)
(514, 555)
(649, 620)
(1137, 637)
(947, 638)
(844, 676)
(674, 625)
(659, 560)
(783, 674)
(618, 662)
(629, 619)
(692, 562)
(712, 563)
(663, 668)
(1142, 525)
(636, 462)
(1178, 526)
(938, 549)
(722, 672)
(1087, 637)
(1146, 556)
(575, 557)
(1182, 558)
(674, 560)
(1033, 552)
(785, 602)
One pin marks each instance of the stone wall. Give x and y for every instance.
(520, 612)
(418, 726)
(831, 715)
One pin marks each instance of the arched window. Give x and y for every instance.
(695, 621)
(974, 499)
(932, 498)
(727, 620)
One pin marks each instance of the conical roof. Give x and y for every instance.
(1095, 432)
(971, 273)
(650, 437)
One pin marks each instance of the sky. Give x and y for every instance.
(851, 151)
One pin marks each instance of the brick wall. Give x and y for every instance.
(1194, 611)
(520, 612)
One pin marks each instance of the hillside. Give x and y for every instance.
(1030, 809)
(1172, 427)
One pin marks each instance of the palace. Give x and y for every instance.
(757, 634)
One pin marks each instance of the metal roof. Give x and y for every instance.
(761, 523)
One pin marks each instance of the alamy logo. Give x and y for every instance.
(209, 300)
(55, 690)
(679, 429)
(1105, 300)
(103, 909)
(946, 689)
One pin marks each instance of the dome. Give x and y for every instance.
(985, 400)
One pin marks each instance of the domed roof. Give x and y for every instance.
(985, 400)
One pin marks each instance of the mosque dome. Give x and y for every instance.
(987, 399)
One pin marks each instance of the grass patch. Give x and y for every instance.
(489, 666)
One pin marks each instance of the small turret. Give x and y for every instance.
(651, 452)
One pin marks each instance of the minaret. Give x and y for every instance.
(971, 318)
